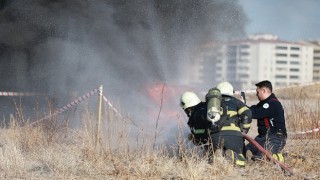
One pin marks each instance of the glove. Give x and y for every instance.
(245, 131)
(190, 136)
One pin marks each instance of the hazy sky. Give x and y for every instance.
(288, 19)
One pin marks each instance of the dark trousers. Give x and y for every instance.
(234, 143)
(272, 142)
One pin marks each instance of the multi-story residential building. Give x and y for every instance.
(262, 57)
(316, 59)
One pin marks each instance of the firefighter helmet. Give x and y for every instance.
(189, 99)
(225, 88)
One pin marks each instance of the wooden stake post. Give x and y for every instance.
(99, 128)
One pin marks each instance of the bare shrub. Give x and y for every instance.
(52, 149)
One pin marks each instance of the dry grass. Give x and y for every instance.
(52, 150)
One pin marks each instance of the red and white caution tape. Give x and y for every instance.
(70, 105)
(308, 131)
(111, 106)
(19, 94)
(77, 101)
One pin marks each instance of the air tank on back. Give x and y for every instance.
(213, 99)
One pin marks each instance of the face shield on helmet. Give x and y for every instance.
(225, 88)
(189, 99)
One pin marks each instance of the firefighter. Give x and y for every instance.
(272, 133)
(237, 120)
(203, 133)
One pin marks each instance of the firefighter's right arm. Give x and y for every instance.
(246, 123)
(245, 116)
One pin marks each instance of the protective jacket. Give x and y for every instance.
(238, 116)
(270, 116)
(199, 125)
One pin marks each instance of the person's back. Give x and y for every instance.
(232, 125)
(237, 119)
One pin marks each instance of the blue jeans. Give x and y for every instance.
(272, 142)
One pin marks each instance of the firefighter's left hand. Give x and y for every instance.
(245, 131)
(241, 99)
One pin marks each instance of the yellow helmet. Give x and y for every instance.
(225, 88)
(189, 99)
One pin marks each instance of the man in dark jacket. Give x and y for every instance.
(272, 133)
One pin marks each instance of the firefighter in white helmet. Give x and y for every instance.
(238, 118)
(202, 130)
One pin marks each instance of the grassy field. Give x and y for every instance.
(52, 150)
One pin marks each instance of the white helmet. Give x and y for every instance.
(225, 88)
(189, 99)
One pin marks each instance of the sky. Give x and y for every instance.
(291, 20)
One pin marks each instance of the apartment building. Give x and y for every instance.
(316, 59)
(260, 57)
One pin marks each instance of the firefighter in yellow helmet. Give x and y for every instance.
(237, 120)
(203, 133)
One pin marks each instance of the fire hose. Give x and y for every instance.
(265, 152)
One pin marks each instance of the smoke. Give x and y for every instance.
(58, 46)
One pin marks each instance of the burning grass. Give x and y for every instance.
(52, 150)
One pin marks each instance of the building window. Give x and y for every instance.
(243, 68)
(294, 55)
(281, 84)
(232, 54)
(281, 55)
(295, 48)
(243, 60)
(294, 69)
(232, 60)
(316, 58)
(281, 69)
(232, 48)
(281, 76)
(244, 46)
(316, 65)
(316, 51)
(294, 77)
(282, 47)
(244, 54)
(281, 62)
(295, 62)
(293, 84)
